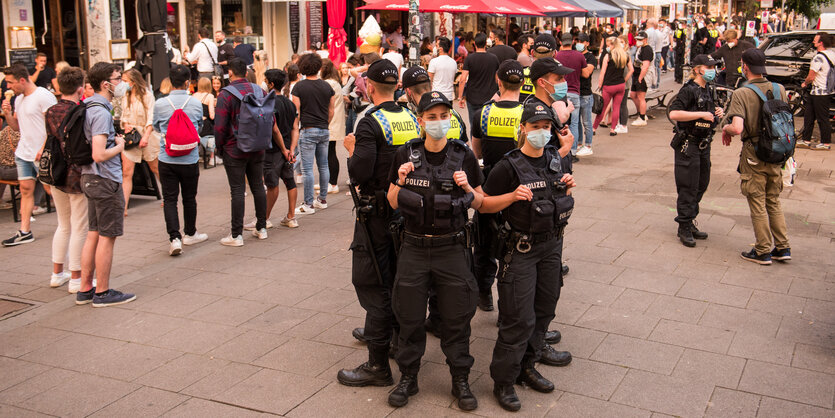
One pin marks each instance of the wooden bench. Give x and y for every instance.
(660, 97)
(14, 186)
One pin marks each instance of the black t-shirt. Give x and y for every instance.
(613, 75)
(491, 150)
(481, 83)
(285, 115)
(314, 101)
(369, 165)
(244, 52)
(45, 77)
(503, 52)
(503, 178)
(644, 54)
(585, 82)
(225, 53)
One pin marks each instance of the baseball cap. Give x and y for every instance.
(582, 37)
(641, 35)
(414, 76)
(755, 60)
(511, 71)
(544, 42)
(544, 66)
(536, 111)
(382, 71)
(566, 39)
(703, 59)
(431, 99)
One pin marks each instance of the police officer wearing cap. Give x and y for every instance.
(379, 134)
(544, 46)
(416, 83)
(696, 116)
(530, 186)
(680, 38)
(434, 182)
(494, 136)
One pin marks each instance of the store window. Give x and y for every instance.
(243, 18)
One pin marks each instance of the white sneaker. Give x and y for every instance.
(621, 129)
(290, 223)
(59, 279)
(584, 151)
(316, 187)
(305, 210)
(639, 122)
(299, 178)
(176, 247)
(251, 226)
(320, 204)
(332, 188)
(74, 286)
(260, 234)
(194, 239)
(38, 211)
(231, 241)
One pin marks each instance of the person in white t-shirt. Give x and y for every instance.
(204, 54)
(820, 96)
(395, 57)
(28, 118)
(442, 70)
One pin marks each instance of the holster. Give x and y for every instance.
(396, 228)
(678, 140)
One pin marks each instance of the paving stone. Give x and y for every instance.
(216, 383)
(732, 403)
(229, 311)
(56, 354)
(569, 311)
(303, 357)
(248, 346)
(168, 277)
(634, 300)
(589, 292)
(736, 319)
(203, 408)
(145, 402)
(700, 271)
(343, 401)
(777, 283)
(279, 319)
(16, 371)
(577, 406)
(179, 303)
(284, 293)
(534, 404)
(784, 382)
(198, 337)
(221, 284)
(181, 372)
(329, 300)
(813, 289)
(586, 377)
(712, 368)
(677, 309)
(618, 321)
(692, 336)
(642, 262)
(777, 408)
(593, 272)
(655, 282)
(816, 358)
(416, 407)
(13, 411)
(819, 311)
(139, 327)
(776, 303)
(67, 400)
(258, 391)
(340, 333)
(757, 347)
(666, 394)
(27, 339)
(637, 354)
(580, 342)
(41, 382)
(113, 364)
(715, 293)
(805, 331)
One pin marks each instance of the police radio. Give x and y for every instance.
(414, 157)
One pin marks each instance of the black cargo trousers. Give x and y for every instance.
(692, 176)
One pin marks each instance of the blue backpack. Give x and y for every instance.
(776, 137)
(255, 119)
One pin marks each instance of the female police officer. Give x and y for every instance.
(434, 182)
(697, 115)
(529, 185)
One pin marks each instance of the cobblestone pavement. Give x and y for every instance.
(655, 328)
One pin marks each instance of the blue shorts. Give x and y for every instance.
(26, 170)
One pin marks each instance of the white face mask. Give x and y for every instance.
(437, 129)
(489, 42)
(731, 44)
(538, 138)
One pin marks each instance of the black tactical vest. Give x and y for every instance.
(551, 206)
(431, 202)
(699, 128)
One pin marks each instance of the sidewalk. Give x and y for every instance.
(655, 328)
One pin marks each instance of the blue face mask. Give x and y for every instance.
(437, 129)
(580, 47)
(709, 75)
(560, 90)
(538, 138)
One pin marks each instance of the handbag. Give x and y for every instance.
(132, 139)
(597, 104)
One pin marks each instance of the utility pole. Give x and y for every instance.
(415, 33)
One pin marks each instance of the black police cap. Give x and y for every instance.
(511, 71)
(703, 59)
(414, 76)
(755, 60)
(383, 71)
(535, 112)
(431, 99)
(544, 42)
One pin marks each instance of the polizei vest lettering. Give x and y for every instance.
(417, 182)
(403, 126)
(536, 185)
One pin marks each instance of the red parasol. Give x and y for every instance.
(460, 6)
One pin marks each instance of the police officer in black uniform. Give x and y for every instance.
(544, 46)
(434, 182)
(379, 134)
(712, 37)
(416, 83)
(529, 185)
(696, 116)
(680, 37)
(494, 136)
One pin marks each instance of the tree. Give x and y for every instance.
(809, 8)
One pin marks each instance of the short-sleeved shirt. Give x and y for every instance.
(314, 101)
(30, 116)
(285, 115)
(443, 69)
(99, 121)
(54, 117)
(163, 110)
(503, 178)
(576, 61)
(503, 52)
(585, 82)
(525, 59)
(481, 81)
(45, 77)
(244, 52)
(820, 65)
(746, 104)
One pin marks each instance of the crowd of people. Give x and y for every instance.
(415, 167)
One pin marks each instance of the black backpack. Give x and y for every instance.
(777, 138)
(52, 168)
(77, 149)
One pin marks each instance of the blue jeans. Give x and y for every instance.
(657, 69)
(586, 103)
(313, 142)
(574, 123)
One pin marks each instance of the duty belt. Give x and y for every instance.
(436, 240)
(523, 241)
(702, 142)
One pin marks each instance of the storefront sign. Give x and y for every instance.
(315, 32)
(26, 56)
(295, 26)
(766, 4)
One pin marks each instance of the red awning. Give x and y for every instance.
(507, 7)
(554, 6)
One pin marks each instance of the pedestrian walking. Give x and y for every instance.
(477, 83)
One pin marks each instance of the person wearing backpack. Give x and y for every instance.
(181, 115)
(821, 80)
(239, 160)
(761, 181)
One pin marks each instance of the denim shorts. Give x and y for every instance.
(26, 170)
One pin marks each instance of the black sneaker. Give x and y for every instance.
(18, 238)
(781, 255)
(762, 259)
(83, 298)
(111, 297)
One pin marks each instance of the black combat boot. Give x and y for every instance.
(696, 233)
(553, 337)
(375, 372)
(461, 390)
(685, 234)
(506, 395)
(407, 386)
(530, 376)
(553, 357)
(564, 269)
(485, 301)
(359, 334)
